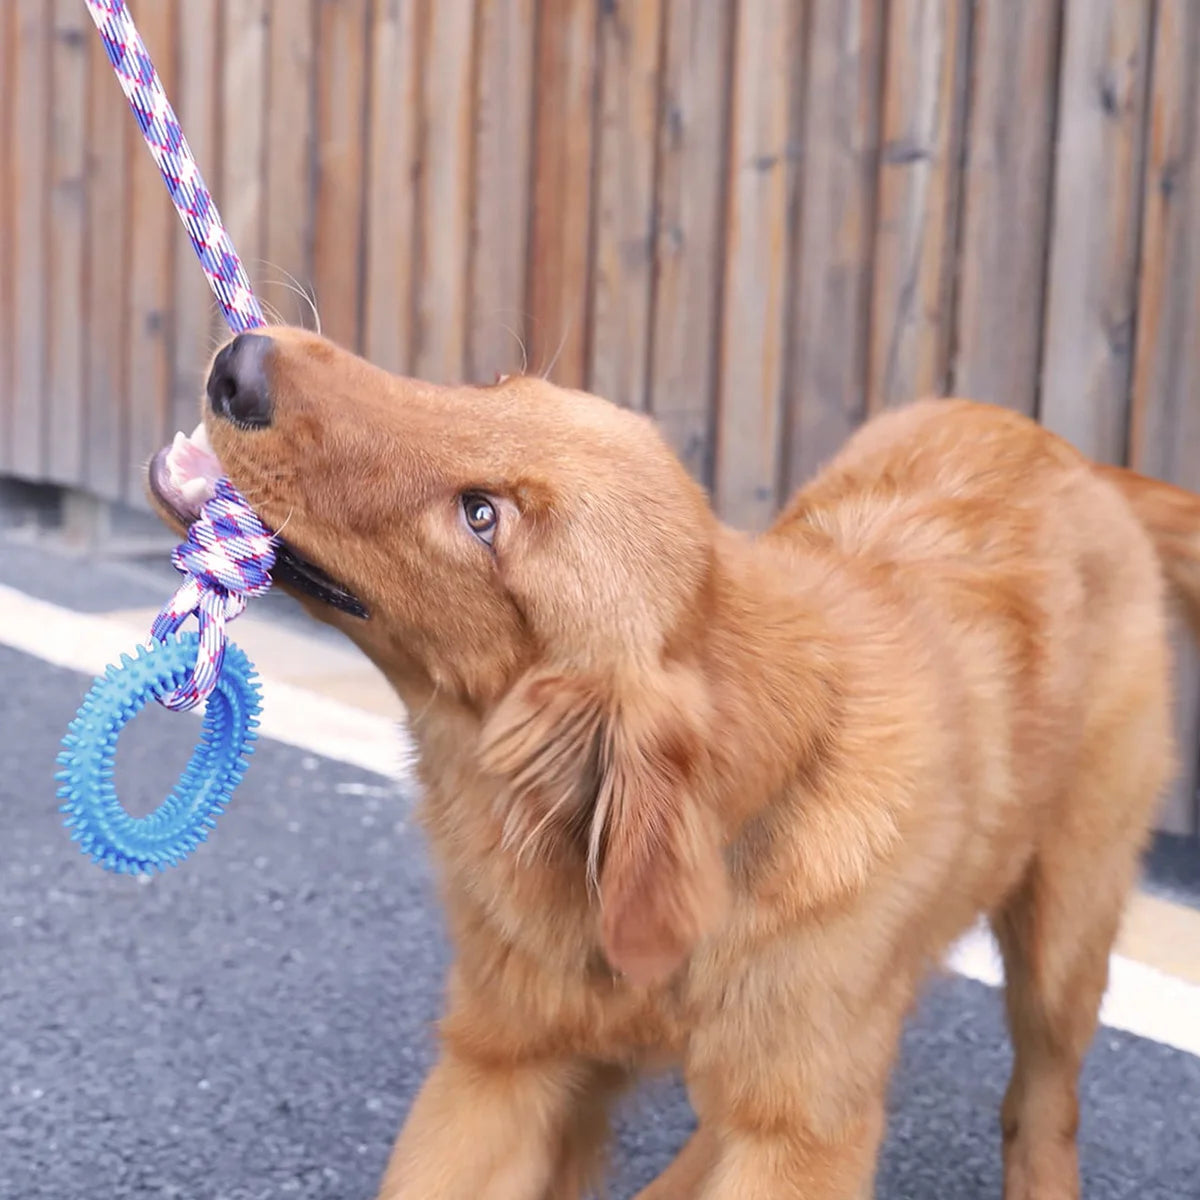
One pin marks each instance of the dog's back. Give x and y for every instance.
(1043, 575)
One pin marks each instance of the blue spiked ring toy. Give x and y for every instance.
(104, 830)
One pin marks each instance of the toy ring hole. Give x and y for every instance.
(153, 753)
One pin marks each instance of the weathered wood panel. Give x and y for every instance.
(391, 185)
(623, 272)
(110, 147)
(1092, 285)
(445, 201)
(342, 89)
(29, 75)
(767, 66)
(921, 133)
(151, 259)
(1165, 420)
(288, 171)
(560, 238)
(67, 217)
(242, 140)
(504, 91)
(196, 326)
(692, 134)
(829, 337)
(1010, 138)
(8, 14)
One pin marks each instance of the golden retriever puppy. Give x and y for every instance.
(722, 801)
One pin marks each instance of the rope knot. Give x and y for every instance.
(228, 549)
(226, 559)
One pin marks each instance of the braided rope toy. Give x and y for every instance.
(227, 557)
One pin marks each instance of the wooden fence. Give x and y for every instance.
(758, 219)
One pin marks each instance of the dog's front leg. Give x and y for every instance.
(483, 1131)
(793, 1088)
(792, 1164)
(744, 1165)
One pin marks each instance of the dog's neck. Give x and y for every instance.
(775, 664)
(798, 649)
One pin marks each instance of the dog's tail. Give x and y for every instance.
(1171, 516)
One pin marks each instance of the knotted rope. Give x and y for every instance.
(160, 127)
(227, 558)
(213, 597)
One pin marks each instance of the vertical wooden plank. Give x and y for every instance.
(920, 145)
(342, 86)
(753, 345)
(1010, 140)
(391, 186)
(559, 241)
(692, 137)
(829, 332)
(1178, 807)
(30, 166)
(1165, 418)
(106, 346)
(8, 39)
(154, 228)
(288, 193)
(1162, 418)
(1091, 290)
(68, 213)
(197, 323)
(242, 78)
(623, 267)
(500, 194)
(445, 189)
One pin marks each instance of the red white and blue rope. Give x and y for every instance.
(228, 554)
(226, 559)
(193, 201)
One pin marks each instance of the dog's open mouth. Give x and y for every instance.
(183, 476)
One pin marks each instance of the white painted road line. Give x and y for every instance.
(1140, 999)
(305, 719)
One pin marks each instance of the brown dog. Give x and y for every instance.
(719, 800)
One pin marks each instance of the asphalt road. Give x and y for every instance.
(253, 1024)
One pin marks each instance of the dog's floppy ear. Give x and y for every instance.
(544, 741)
(618, 765)
(655, 844)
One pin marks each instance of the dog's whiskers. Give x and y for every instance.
(562, 342)
(516, 337)
(293, 285)
(278, 534)
(272, 313)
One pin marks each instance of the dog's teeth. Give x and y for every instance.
(178, 442)
(194, 491)
(199, 439)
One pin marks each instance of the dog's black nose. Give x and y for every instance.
(239, 388)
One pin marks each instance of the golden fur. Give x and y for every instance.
(722, 801)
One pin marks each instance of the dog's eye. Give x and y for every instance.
(481, 517)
